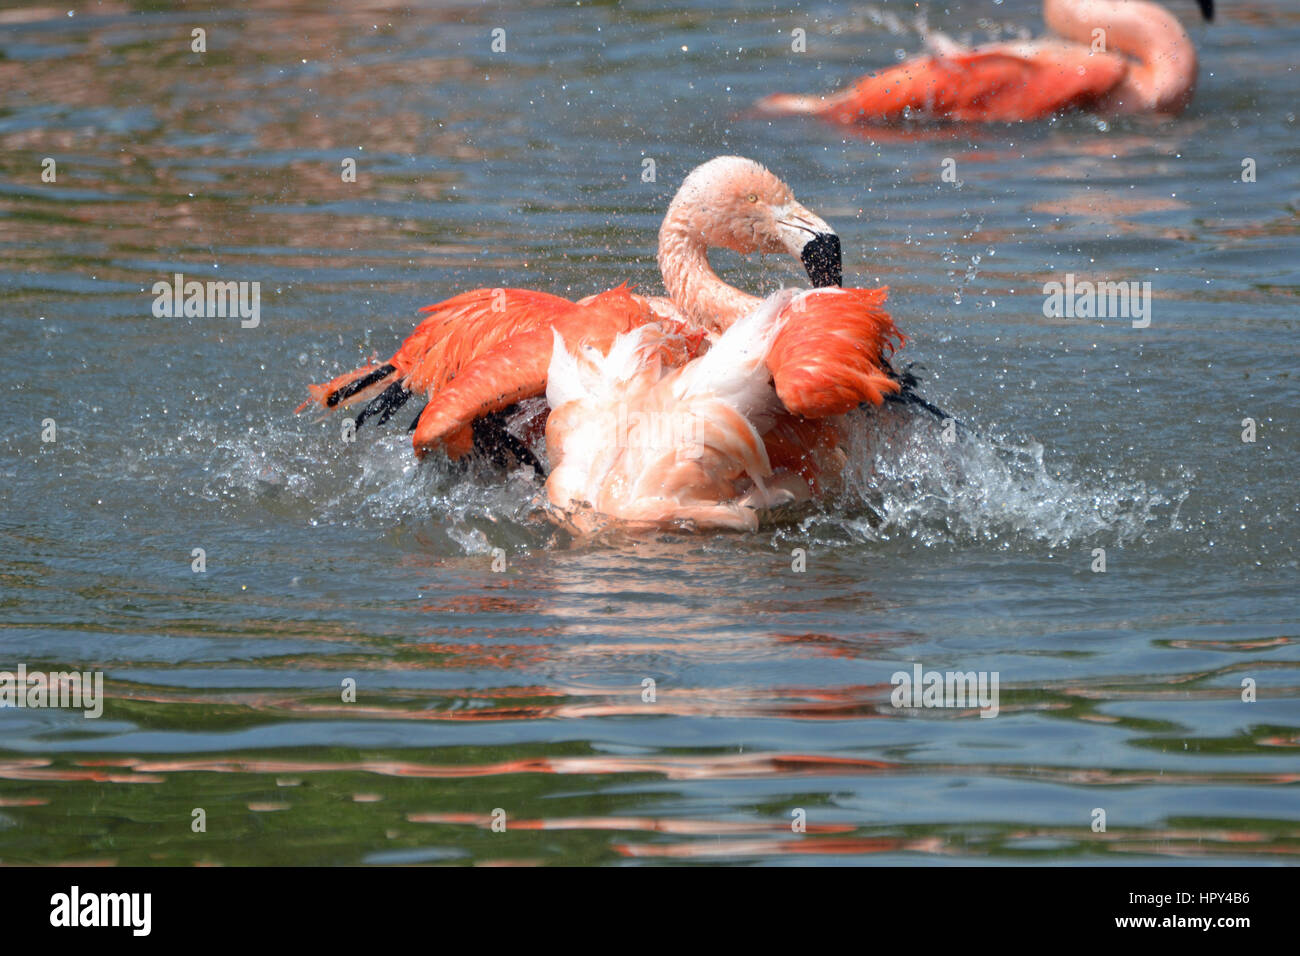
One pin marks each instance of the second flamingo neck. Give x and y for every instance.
(693, 285)
(1164, 75)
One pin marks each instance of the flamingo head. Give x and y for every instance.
(735, 203)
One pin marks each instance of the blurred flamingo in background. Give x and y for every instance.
(480, 353)
(1111, 56)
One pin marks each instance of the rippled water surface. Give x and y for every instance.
(523, 690)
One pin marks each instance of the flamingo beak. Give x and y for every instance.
(1207, 9)
(814, 243)
(821, 258)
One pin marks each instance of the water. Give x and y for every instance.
(524, 690)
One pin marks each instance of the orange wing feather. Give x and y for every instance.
(830, 356)
(456, 332)
(468, 326)
(516, 367)
(479, 352)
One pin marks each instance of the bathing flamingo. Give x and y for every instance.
(639, 438)
(479, 353)
(1110, 56)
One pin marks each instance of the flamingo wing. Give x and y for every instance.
(475, 354)
(455, 332)
(465, 327)
(515, 367)
(832, 353)
(997, 83)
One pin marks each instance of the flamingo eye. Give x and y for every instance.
(752, 197)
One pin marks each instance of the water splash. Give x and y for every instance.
(905, 481)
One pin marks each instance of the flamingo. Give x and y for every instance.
(478, 354)
(1111, 56)
(639, 438)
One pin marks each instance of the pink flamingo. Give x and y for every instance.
(481, 352)
(1111, 56)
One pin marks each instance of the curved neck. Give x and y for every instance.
(1164, 76)
(691, 282)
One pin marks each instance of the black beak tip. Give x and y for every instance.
(821, 258)
(1207, 9)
